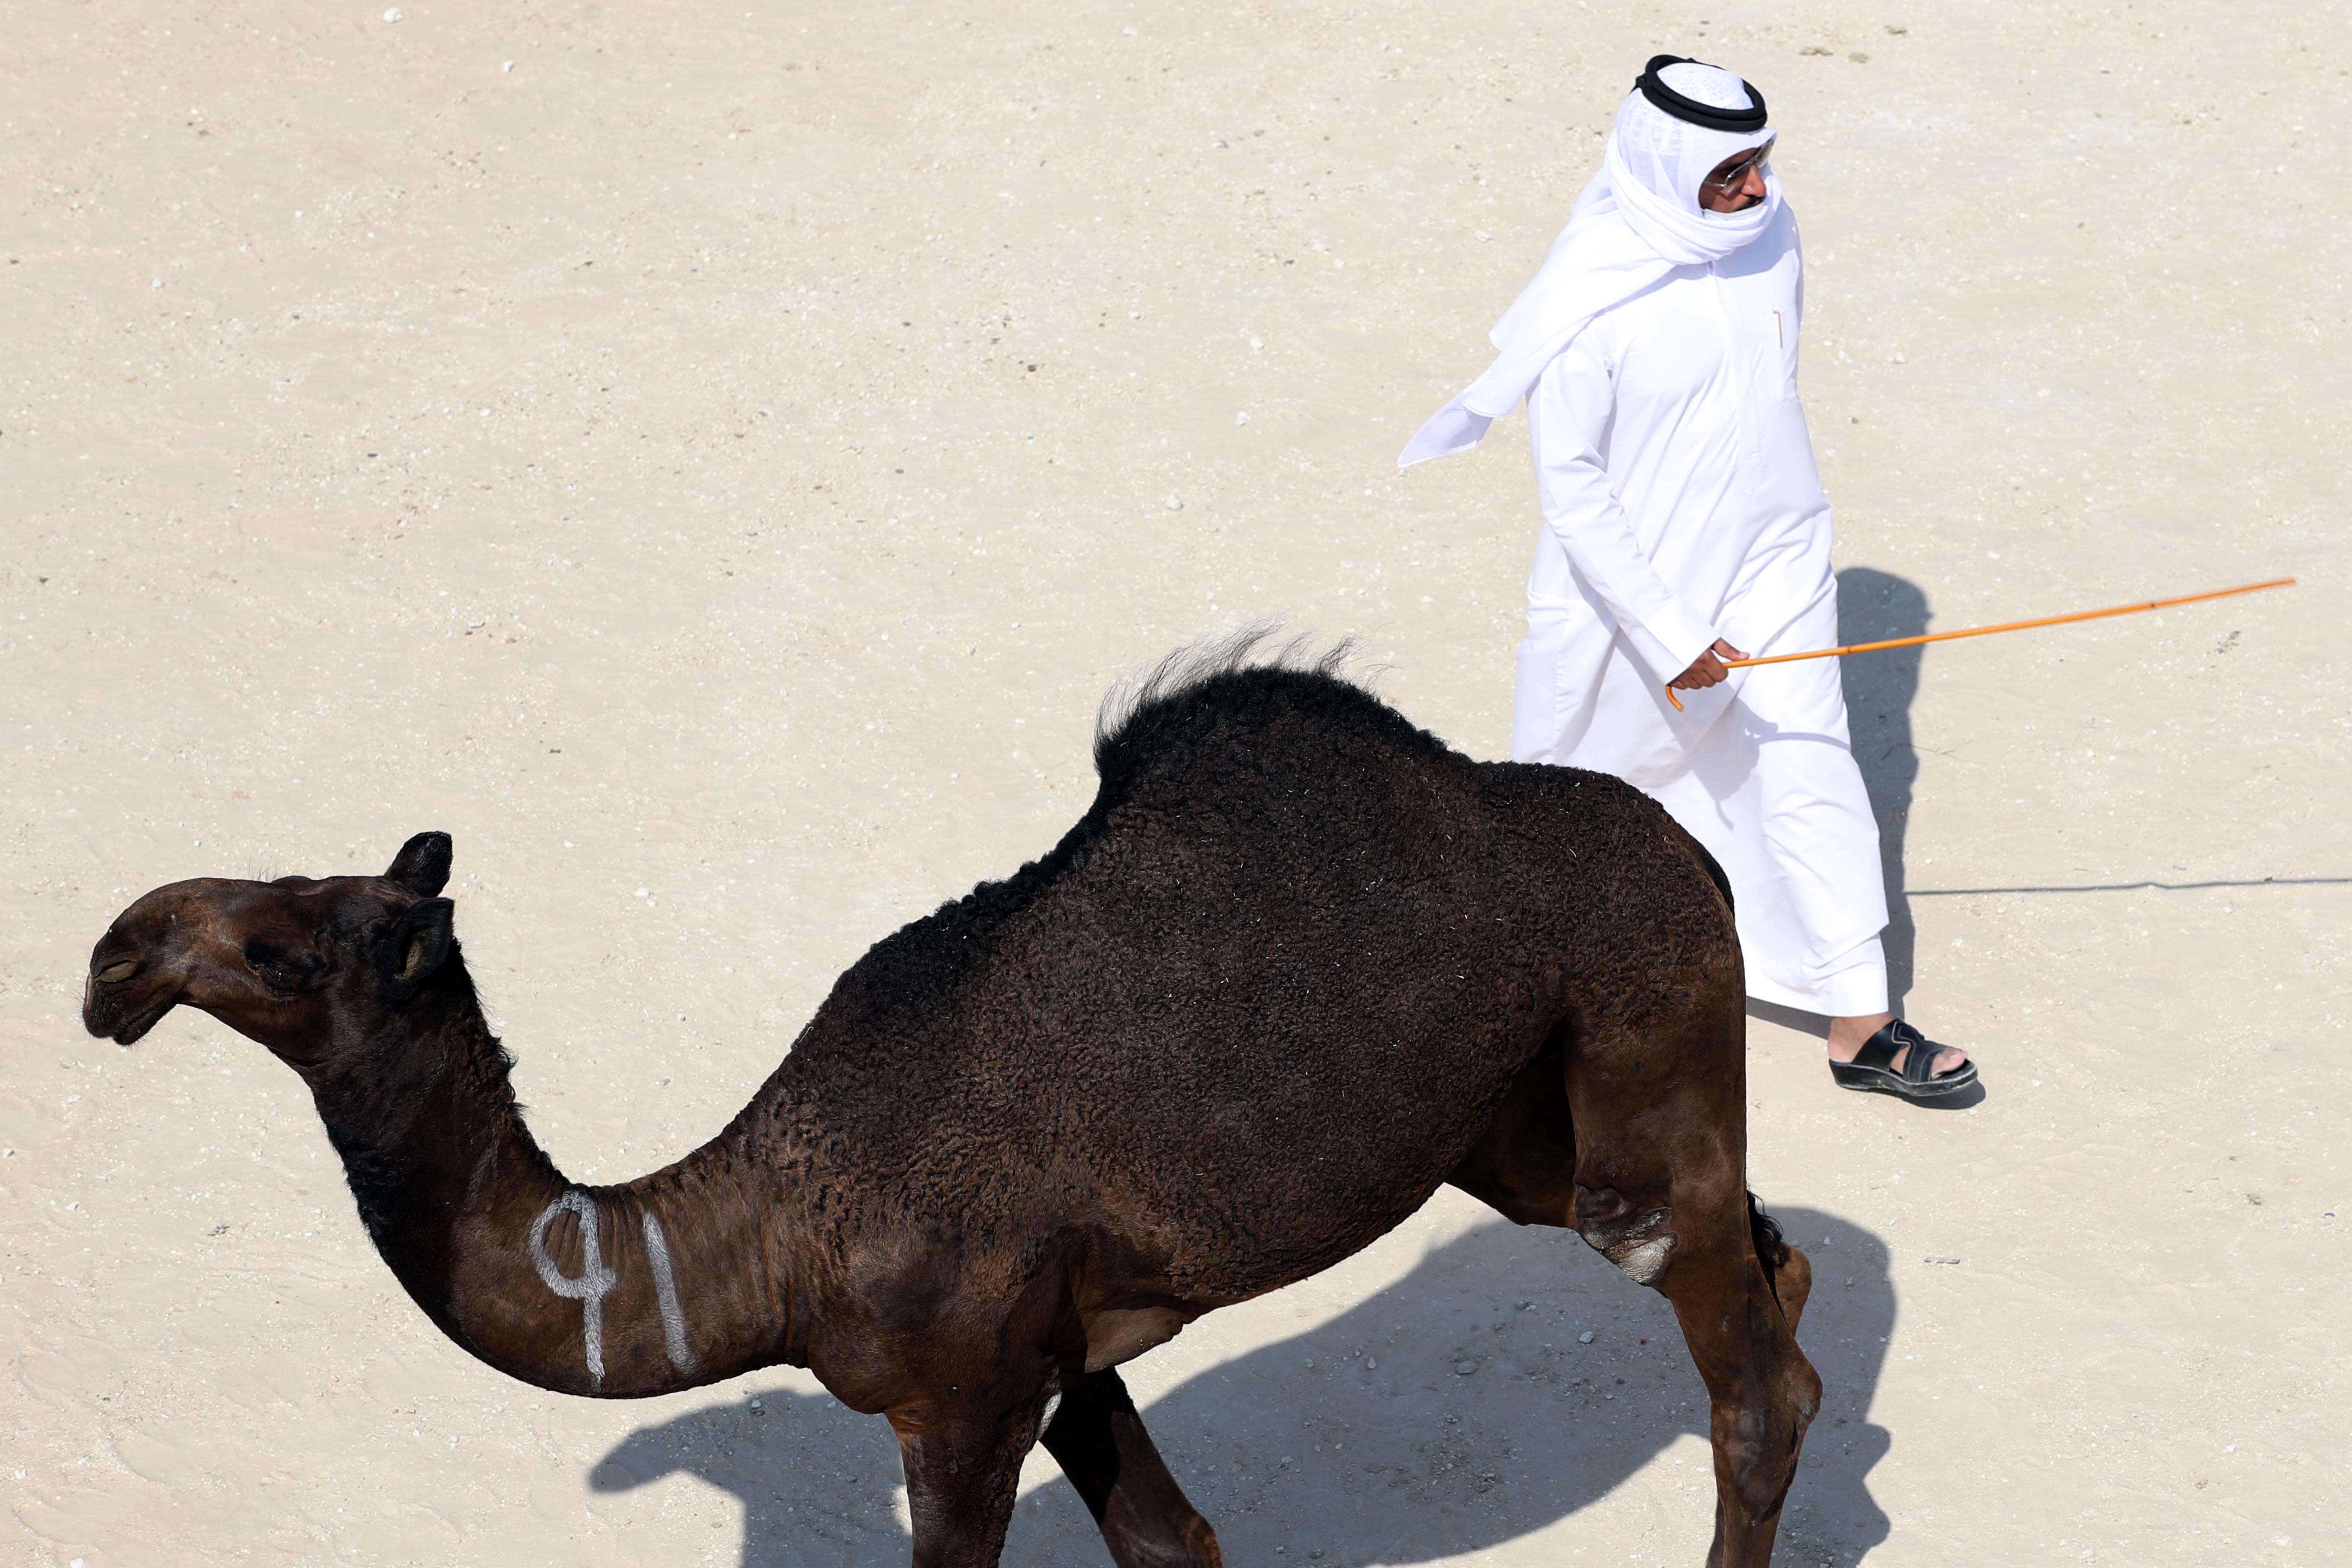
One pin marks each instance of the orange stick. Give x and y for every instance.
(2004, 626)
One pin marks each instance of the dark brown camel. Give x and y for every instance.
(1297, 965)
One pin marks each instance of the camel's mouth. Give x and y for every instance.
(97, 1016)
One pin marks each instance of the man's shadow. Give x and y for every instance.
(1365, 1440)
(1878, 606)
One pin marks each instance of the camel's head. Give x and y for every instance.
(279, 961)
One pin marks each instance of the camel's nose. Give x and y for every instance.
(122, 969)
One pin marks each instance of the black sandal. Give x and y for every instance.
(1870, 1072)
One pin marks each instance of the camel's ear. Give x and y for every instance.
(417, 944)
(422, 865)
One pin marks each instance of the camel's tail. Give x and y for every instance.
(1716, 874)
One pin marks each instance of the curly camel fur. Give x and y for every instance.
(1299, 965)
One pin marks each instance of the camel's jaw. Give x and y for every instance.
(103, 1015)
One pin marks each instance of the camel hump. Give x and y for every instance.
(1243, 677)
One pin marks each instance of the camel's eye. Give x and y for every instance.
(284, 970)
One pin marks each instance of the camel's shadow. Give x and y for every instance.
(1361, 1441)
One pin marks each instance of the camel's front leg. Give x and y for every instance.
(963, 1469)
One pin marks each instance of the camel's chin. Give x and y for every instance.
(130, 1030)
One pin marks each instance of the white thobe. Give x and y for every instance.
(1682, 504)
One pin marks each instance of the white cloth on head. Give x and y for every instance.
(1637, 220)
(1681, 503)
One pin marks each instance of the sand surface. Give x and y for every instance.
(712, 461)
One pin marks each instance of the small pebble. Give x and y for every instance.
(1896, 29)
(1241, 418)
(392, 14)
(1465, 1367)
(1175, 502)
(1371, 1364)
(1585, 1338)
(1812, 49)
(1858, 57)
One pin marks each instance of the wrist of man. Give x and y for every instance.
(1680, 640)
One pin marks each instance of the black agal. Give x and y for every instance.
(1691, 110)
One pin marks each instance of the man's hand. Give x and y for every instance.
(1706, 669)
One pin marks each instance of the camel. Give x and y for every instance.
(1299, 965)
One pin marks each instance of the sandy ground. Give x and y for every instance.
(712, 462)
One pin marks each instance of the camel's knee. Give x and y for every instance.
(1637, 1240)
(1756, 1440)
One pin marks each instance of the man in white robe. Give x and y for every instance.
(1657, 352)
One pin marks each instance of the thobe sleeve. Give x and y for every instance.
(1568, 414)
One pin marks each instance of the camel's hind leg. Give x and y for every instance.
(1661, 1143)
(1098, 1440)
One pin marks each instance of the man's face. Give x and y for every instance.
(1736, 183)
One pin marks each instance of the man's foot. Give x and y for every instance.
(1848, 1036)
(1898, 1060)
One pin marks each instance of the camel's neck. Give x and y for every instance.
(669, 1281)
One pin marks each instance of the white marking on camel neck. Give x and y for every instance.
(594, 1282)
(589, 1285)
(666, 1295)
